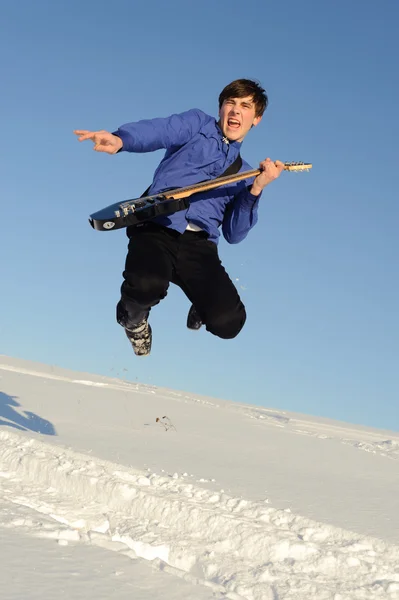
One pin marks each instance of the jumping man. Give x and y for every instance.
(182, 248)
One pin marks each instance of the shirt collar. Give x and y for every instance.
(231, 143)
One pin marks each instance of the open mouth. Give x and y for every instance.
(233, 123)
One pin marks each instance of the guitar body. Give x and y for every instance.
(132, 212)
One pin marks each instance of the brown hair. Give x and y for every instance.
(240, 88)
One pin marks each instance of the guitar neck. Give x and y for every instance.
(209, 185)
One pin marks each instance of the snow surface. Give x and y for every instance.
(110, 489)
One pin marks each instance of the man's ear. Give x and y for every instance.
(256, 121)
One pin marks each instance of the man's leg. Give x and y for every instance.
(193, 319)
(148, 272)
(201, 275)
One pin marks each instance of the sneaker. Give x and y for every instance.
(193, 319)
(141, 338)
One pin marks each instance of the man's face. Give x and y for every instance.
(237, 116)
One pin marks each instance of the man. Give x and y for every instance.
(182, 248)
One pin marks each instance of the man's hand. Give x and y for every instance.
(103, 140)
(270, 171)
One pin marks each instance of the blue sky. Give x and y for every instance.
(319, 272)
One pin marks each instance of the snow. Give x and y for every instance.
(110, 488)
(37, 569)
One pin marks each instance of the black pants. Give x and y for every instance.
(158, 256)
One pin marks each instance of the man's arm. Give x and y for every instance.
(147, 135)
(242, 214)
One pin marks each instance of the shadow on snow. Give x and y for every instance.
(24, 420)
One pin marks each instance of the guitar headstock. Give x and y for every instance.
(297, 166)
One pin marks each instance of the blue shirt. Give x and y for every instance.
(196, 150)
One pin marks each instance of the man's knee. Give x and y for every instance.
(227, 324)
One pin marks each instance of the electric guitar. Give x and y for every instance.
(145, 208)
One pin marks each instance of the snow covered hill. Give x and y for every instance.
(161, 494)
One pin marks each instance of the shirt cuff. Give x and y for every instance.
(126, 140)
(248, 200)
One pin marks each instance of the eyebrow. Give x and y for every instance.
(248, 102)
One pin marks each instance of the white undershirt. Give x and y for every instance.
(193, 227)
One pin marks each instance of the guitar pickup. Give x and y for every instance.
(139, 203)
(156, 199)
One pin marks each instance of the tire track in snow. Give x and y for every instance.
(240, 549)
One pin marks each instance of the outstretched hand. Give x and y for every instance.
(103, 140)
(270, 171)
